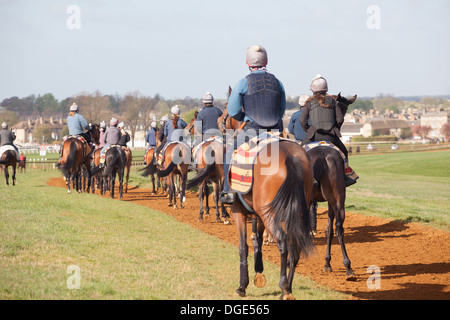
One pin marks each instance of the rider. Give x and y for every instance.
(112, 136)
(322, 117)
(260, 100)
(207, 117)
(295, 126)
(77, 124)
(150, 137)
(7, 137)
(102, 134)
(124, 136)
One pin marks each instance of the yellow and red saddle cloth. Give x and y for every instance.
(348, 170)
(243, 159)
(86, 146)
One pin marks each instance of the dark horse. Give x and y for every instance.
(177, 157)
(328, 167)
(209, 160)
(115, 163)
(279, 201)
(9, 158)
(73, 157)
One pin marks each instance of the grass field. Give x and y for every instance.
(122, 250)
(406, 186)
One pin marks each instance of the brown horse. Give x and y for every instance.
(280, 202)
(148, 160)
(73, 156)
(9, 158)
(101, 181)
(177, 158)
(129, 157)
(209, 160)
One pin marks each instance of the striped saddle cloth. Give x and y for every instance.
(86, 146)
(243, 159)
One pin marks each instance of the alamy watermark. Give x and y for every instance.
(374, 280)
(373, 21)
(73, 22)
(74, 280)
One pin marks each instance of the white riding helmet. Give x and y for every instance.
(102, 124)
(153, 124)
(113, 122)
(165, 118)
(73, 107)
(208, 98)
(319, 84)
(175, 110)
(303, 99)
(4, 125)
(256, 57)
(121, 124)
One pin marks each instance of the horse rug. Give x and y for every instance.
(348, 170)
(198, 147)
(243, 159)
(86, 147)
(9, 147)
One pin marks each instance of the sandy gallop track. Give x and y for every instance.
(414, 260)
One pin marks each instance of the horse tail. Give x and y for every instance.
(70, 160)
(290, 207)
(201, 176)
(149, 169)
(167, 171)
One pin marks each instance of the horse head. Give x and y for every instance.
(95, 133)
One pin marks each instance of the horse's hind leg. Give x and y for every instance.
(340, 217)
(329, 233)
(5, 170)
(14, 175)
(260, 280)
(121, 172)
(200, 197)
(241, 223)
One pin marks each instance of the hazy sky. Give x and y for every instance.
(180, 48)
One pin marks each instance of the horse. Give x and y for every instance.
(177, 157)
(148, 159)
(226, 122)
(328, 167)
(73, 157)
(115, 163)
(280, 202)
(209, 160)
(129, 158)
(9, 158)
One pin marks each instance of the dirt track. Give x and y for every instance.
(414, 260)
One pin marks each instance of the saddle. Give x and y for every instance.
(161, 155)
(243, 159)
(103, 156)
(199, 146)
(11, 148)
(87, 148)
(348, 170)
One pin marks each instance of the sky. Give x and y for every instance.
(179, 48)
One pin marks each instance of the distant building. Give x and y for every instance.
(24, 129)
(435, 120)
(390, 126)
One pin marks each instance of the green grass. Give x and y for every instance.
(406, 186)
(123, 250)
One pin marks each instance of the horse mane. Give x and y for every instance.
(320, 98)
(175, 121)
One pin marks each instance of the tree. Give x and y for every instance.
(10, 117)
(131, 107)
(95, 107)
(445, 130)
(43, 134)
(47, 102)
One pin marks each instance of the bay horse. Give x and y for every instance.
(9, 158)
(328, 168)
(73, 157)
(115, 163)
(280, 202)
(209, 160)
(129, 158)
(177, 157)
(148, 160)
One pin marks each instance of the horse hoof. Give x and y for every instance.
(68, 192)
(260, 280)
(226, 221)
(288, 296)
(200, 219)
(175, 207)
(350, 276)
(327, 269)
(170, 204)
(240, 293)
(218, 220)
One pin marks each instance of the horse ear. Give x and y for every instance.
(229, 90)
(353, 99)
